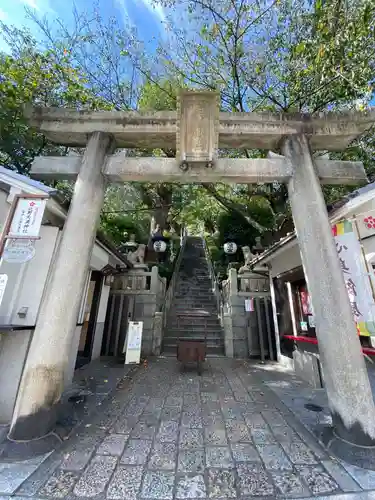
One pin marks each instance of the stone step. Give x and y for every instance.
(177, 331)
(186, 308)
(208, 321)
(213, 350)
(173, 336)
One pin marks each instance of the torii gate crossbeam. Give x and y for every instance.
(197, 130)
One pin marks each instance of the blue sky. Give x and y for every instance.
(142, 13)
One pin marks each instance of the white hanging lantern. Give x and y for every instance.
(230, 247)
(160, 246)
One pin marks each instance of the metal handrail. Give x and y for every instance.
(170, 292)
(215, 284)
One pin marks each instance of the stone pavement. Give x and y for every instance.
(168, 435)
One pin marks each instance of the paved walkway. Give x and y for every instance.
(171, 435)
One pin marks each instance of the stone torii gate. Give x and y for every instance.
(197, 130)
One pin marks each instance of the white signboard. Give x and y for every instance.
(3, 284)
(134, 342)
(19, 251)
(355, 275)
(27, 218)
(249, 305)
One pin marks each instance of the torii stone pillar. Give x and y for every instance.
(345, 375)
(43, 376)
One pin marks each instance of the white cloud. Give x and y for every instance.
(3, 15)
(124, 10)
(31, 3)
(154, 8)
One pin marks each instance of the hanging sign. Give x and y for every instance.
(3, 284)
(27, 218)
(19, 251)
(249, 305)
(133, 342)
(355, 275)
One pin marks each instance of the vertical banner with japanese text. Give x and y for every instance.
(355, 275)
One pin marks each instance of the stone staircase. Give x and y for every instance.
(193, 313)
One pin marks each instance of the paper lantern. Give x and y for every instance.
(230, 248)
(160, 246)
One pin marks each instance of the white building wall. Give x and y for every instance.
(14, 346)
(34, 277)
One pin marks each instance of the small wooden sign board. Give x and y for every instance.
(133, 342)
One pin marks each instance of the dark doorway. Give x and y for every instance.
(89, 320)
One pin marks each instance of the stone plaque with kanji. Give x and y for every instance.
(197, 127)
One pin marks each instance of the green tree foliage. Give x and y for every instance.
(31, 76)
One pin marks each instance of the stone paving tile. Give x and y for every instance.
(168, 431)
(255, 421)
(237, 432)
(143, 430)
(163, 456)
(341, 476)
(175, 401)
(77, 459)
(245, 452)
(59, 484)
(219, 456)
(136, 452)
(150, 418)
(289, 484)
(191, 460)
(158, 486)
(317, 479)
(365, 478)
(299, 453)
(193, 421)
(274, 418)
(209, 396)
(253, 480)
(95, 478)
(191, 438)
(125, 483)
(191, 487)
(262, 436)
(113, 444)
(213, 421)
(12, 475)
(170, 413)
(125, 425)
(274, 457)
(285, 434)
(211, 409)
(34, 482)
(214, 435)
(191, 398)
(243, 397)
(221, 484)
(154, 404)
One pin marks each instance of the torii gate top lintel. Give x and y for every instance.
(157, 129)
(196, 130)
